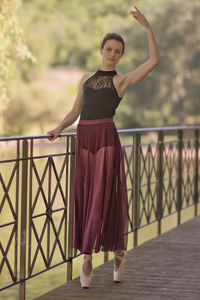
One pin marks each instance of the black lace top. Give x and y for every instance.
(100, 97)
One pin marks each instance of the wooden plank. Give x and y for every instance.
(166, 267)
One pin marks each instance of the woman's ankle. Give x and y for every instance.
(87, 264)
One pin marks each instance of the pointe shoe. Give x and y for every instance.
(86, 279)
(118, 271)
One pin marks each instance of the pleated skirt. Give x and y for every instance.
(99, 194)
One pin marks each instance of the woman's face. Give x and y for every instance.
(111, 52)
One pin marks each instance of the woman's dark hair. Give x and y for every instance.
(113, 36)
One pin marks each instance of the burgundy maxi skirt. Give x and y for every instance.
(99, 195)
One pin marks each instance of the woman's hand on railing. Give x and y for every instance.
(54, 134)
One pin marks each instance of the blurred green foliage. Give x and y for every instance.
(12, 42)
(68, 33)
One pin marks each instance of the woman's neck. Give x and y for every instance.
(107, 68)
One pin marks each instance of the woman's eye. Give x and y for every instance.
(109, 49)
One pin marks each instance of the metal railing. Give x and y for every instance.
(35, 192)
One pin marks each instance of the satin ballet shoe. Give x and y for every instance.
(118, 271)
(86, 279)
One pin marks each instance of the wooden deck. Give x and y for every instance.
(166, 267)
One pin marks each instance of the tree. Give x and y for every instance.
(12, 45)
(170, 94)
(68, 33)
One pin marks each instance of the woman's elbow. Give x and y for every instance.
(154, 63)
(157, 61)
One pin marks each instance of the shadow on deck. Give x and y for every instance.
(166, 267)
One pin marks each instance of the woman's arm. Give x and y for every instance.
(71, 117)
(128, 79)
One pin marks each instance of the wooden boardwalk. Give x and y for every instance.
(166, 267)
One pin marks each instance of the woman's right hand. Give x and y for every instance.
(54, 134)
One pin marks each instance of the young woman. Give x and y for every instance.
(99, 197)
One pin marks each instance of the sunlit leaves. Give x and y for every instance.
(12, 42)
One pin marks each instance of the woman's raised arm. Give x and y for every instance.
(128, 79)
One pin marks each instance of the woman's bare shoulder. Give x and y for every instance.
(86, 76)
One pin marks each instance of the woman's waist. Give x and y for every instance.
(96, 121)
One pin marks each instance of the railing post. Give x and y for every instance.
(22, 285)
(17, 211)
(180, 175)
(136, 192)
(160, 180)
(72, 167)
(196, 175)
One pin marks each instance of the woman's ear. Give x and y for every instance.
(101, 50)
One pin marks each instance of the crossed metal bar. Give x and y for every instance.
(162, 179)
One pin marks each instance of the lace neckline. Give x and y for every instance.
(106, 73)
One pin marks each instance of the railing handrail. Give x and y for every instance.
(131, 130)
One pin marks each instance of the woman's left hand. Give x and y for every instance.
(140, 17)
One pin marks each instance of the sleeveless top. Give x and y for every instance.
(100, 97)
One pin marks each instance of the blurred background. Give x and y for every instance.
(46, 46)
